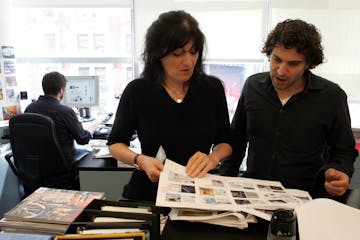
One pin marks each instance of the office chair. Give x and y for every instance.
(37, 158)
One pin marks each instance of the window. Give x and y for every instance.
(100, 71)
(72, 37)
(84, 71)
(47, 13)
(233, 76)
(83, 41)
(235, 32)
(76, 41)
(99, 42)
(49, 42)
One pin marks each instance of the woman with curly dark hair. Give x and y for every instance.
(174, 105)
(295, 124)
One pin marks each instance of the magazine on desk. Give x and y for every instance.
(47, 211)
(52, 205)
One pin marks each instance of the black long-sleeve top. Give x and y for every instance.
(196, 124)
(294, 142)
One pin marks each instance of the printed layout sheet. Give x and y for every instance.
(214, 192)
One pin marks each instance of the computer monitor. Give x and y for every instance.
(82, 92)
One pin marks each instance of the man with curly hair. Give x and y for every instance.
(294, 124)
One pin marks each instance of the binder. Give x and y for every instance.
(141, 215)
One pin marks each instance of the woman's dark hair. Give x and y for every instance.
(172, 30)
(297, 34)
(53, 82)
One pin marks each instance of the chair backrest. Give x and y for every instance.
(38, 157)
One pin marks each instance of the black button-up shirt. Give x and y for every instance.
(294, 142)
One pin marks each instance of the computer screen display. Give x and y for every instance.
(81, 91)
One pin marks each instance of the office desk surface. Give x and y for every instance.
(101, 164)
(179, 230)
(97, 163)
(175, 230)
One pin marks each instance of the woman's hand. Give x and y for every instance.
(151, 166)
(199, 164)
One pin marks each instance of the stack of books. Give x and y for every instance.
(47, 211)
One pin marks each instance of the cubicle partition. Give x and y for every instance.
(104, 175)
(10, 188)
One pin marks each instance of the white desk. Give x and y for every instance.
(4, 123)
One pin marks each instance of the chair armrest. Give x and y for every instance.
(9, 158)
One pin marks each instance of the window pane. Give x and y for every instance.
(75, 41)
(49, 42)
(99, 42)
(84, 71)
(233, 76)
(83, 41)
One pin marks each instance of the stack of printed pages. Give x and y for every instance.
(47, 211)
(228, 201)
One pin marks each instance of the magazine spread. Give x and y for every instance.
(221, 193)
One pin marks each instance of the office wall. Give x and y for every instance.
(8, 90)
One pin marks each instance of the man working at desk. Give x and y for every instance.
(296, 124)
(68, 127)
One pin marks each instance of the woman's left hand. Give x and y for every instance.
(199, 164)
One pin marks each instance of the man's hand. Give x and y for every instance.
(336, 182)
(199, 164)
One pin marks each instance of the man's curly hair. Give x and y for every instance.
(296, 34)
